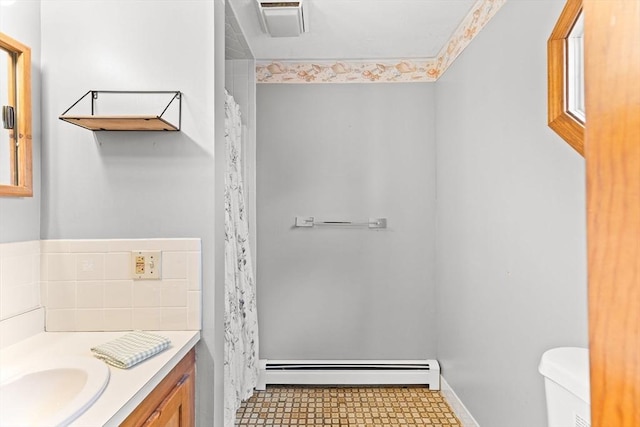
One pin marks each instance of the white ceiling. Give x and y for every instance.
(356, 29)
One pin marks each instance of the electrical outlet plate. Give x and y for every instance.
(146, 265)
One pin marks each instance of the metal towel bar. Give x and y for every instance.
(309, 221)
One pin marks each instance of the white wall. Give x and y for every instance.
(511, 221)
(349, 151)
(126, 184)
(20, 216)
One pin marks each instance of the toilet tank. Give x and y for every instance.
(566, 382)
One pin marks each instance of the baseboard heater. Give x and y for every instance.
(349, 372)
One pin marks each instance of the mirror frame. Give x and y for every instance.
(24, 186)
(560, 119)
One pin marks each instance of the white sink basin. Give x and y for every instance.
(52, 393)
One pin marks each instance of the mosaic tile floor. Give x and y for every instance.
(346, 406)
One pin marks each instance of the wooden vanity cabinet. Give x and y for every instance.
(171, 403)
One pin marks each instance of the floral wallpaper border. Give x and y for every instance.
(399, 70)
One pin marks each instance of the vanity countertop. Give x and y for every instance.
(126, 389)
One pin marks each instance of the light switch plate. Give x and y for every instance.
(146, 265)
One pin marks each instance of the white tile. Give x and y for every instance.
(174, 265)
(60, 320)
(17, 270)
(193, 245)
(194, 309)
(36, 247)
(123, 245)
(44, 267)
(174, 319)
(36, 267)
(90, 320)
(21, 327)
(89, 266)
(20, 248)
(178, 244)
(90, 294)
(118, 319)
(89, 246)
(174, 293)
(61, 267)
(22, 300)
(118, 294)
(61, 295)
(43, 293)
(172, 245)
(117, 266)
(147, 293)
(6, 308)
(55, 246)
(14, 300)
(147, 318)
(194, 271)
(33, 295)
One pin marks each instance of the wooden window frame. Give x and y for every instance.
(24, 185)
(570, 128)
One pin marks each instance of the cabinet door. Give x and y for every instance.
(176, 409)
(177, 386)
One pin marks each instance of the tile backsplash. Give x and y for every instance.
(87, 285)
(19, 278)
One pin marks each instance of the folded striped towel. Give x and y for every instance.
(132, 348)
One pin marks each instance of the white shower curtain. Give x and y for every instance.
(240, 316)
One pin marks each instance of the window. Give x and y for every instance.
(15, 135)
(565, 70)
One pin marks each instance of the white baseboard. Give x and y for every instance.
(456, 405)
(348, 372)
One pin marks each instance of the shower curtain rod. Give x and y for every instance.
(309, 221)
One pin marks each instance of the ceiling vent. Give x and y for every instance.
(282, 18)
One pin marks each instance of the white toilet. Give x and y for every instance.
(566, 383)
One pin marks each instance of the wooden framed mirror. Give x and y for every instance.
(565, 71)
(15, 134)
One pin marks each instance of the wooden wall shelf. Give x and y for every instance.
(96, 123)
(125, 122)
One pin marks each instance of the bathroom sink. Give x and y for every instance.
(52, 393)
